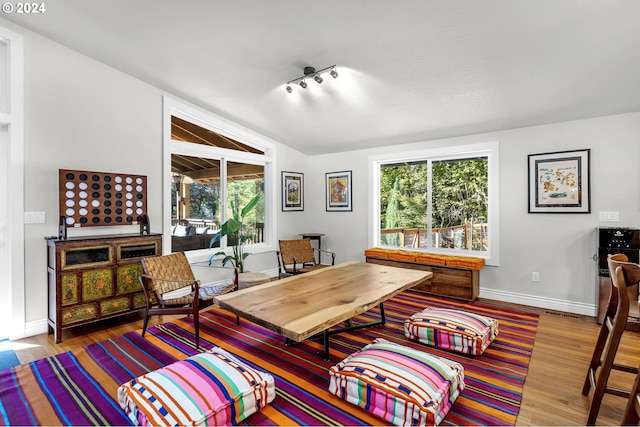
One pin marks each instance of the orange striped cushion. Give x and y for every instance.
(211, 388)
(377, 253)
(399, 255)
(431, 259)
(465, 262)
(400, 384)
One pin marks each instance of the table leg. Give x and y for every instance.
(325, 338)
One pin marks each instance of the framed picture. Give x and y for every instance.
(559, 182)
(338, 187)
(292, 191)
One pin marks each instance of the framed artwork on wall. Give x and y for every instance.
(559, 182)
(338, 189)
(292, 191)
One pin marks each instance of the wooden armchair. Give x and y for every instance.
(171, 288)
(297, 256)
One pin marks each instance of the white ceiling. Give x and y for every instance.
(409, 70)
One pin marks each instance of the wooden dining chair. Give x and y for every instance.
(623, 274)
(631, 415)
(297, 256)
(171, 288)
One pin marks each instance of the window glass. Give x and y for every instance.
(244, 182)
(460, 200)
(437, 201)
(403, 204)
(210, 174)
(183, 130)
(4, 74)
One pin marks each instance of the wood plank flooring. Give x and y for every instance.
(552, 392)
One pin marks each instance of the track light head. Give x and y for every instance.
(311, 72)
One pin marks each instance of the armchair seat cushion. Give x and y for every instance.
(455, 330)
(401, 385)
(212, 388)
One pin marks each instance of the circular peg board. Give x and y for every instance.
(90, 199)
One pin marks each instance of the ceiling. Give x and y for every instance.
(409, 71)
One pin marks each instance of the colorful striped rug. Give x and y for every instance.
(79, 388)
(8, 357)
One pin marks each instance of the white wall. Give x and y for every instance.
(81, 114)
(558, 246)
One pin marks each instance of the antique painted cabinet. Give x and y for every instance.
(93, 278)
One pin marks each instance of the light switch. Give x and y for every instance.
(34, 217)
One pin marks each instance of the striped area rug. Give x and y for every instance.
(79, 388)
(8, 357)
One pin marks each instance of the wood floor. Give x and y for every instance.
(552, 392)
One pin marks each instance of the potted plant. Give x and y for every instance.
(233, 228)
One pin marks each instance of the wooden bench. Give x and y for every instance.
(453, 276)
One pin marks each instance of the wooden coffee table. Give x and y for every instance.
(305, 305)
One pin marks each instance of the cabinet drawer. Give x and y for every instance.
(97, 284)
(85, 257)
(127, 278)
(78, 313)
(131, 251)
(69, 288)
(114, 305)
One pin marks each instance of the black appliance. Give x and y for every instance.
(614, 240)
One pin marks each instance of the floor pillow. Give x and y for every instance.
(449, 329)
(211, 388)
(400, 384)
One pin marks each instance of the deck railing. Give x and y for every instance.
(472, 236)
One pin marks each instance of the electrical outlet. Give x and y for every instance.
(535, 276)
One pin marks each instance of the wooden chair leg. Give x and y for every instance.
(602, 378)
(631, 415)
(196, 323)
(146, 322)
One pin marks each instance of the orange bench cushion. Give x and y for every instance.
(425, 258)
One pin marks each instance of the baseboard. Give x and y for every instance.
(35, 327)
(540, 302)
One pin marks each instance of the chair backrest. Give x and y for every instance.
(168, 267)
(623, 275)
(299, 250)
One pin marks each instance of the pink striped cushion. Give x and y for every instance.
(452, 330)
(212, 388)
(401, 385)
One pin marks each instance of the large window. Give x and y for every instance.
(214, 165)
(441, 200)
(12, 280)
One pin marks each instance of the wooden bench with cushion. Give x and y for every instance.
(453, 276)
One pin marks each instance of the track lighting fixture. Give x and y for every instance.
(310, 72)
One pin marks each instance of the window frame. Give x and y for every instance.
(224, 127)
(12, 287)
(491, 150)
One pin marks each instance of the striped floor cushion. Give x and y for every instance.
(452, 330)
(401, 385)
(212, 388)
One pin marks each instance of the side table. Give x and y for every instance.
(247, 280)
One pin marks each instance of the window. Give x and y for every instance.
(442, 201)
(12, 280)
(213, 165)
